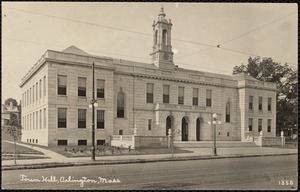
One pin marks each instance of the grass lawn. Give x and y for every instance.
(9, 148)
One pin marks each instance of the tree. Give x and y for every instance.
(286, 79)
(7, 101)
(14, 129)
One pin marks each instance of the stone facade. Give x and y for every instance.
(143, 104)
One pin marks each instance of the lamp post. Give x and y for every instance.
(214, 121)
(92, 105)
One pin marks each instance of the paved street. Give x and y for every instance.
(272, 172)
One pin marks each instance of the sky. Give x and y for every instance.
(124, 30)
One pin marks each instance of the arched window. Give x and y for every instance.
(121, 105)
(164, 39)
(169, 122)
(155, 38)
(227, 112)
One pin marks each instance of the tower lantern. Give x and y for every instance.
(162, 55)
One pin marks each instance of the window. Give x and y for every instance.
(62, 118)
(100, 88)
(250, 102)
(259, 125)
(33, 120)
(250, 124)
(260, 100)
(269, 125)
(100, 119)
(181, 95)
(81, 118)
(120, 132)
(36, 141)
(100, 142)
(155, 38)
(37, 91)
(37, 120)
(227, 120)
(45, 118)
(195, 96)
(120, 105)
(82, 142)
(149, 124)
(62, 142)
(41, 124)
(269, 104)
(164, 39)
(27, 98)
(40, 87)
(82, 86)
(166, 93)
(30, 99)
(149, 93)
(208, 98)
(44, 85)
(227, 134)
(33, 94)
(62, 85)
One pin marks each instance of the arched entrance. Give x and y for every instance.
(168, 124)
(184, 129)
(198, 129)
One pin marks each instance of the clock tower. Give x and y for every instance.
(162, 55)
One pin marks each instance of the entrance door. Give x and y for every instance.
(198, 129)
(184, 129)
(168, 125)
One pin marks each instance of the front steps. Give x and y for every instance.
(209, 144)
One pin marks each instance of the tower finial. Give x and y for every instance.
(162, 9)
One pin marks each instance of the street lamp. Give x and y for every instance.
(214, 121)
(92, 105)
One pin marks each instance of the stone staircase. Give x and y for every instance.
(209, 144)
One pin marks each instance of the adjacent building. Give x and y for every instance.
(149, 97)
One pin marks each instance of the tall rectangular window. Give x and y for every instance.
(62, 117)
(250, 102)
(81, 118)
(166, 93)
(62, 85)
(41, 118)
(181, 95)
(82, 86)
(100, 88)
(150, 91)
(260, 101)
(250, 124)
(208, 98)
(40, 88)
(269, 104)
(33, 120)
(259, 125)
(100, 119)
(37, 91)
(269, 125)
(195, 96)
(45, 120)
(37, 120)
(33, 88)
(149, 124)
(44, 87)
(30, 100)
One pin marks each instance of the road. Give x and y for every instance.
(270, 172)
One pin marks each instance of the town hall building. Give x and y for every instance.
(150, 98)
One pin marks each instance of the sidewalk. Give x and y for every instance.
(198, 153)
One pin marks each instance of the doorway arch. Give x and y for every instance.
(169, 123)
(198, 126)
(184, 129)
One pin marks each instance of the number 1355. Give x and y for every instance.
(285, 182)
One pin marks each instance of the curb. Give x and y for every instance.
(111, 162)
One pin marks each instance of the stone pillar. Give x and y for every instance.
(260, 139)
(170, 138)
